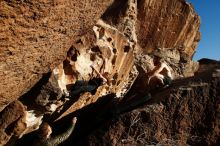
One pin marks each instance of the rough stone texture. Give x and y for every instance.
(105, 56)
(185, 114)
(40, 34)
(180, 68)
(161, 24)
(34, 38)
(8, 118)
(109, 57)
(105, 52)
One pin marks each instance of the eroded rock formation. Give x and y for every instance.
(78, 64)
(15, 111)
(35, 36)
(161, 24)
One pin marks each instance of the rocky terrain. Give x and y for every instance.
(64, 58)
(186, 113)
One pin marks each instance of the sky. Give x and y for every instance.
(209, 45)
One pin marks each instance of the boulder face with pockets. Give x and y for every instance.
(35, 36)
(51, 48)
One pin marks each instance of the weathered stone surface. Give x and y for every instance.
(8, 118)
(57, 37)
(168, 24)
(161, 24)
(35, 36)
(110, 56)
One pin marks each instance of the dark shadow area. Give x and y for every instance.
(66, 106)
(88, 119)
(80, 87)
(208, 61)
(101, 113)
(114, 12)
(28, 98)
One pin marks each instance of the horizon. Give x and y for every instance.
(209, 43)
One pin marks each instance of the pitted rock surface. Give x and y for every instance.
(35, 36)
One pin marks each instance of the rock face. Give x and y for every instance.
(50, 48)
(161, 24)
(173, 24)
(35, 36)
(176, 54)
(12, 113)
(185, 114)
(110, 59)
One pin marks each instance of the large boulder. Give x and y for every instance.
(57, 38)
(172, 26)
(161, 24)
(35, 36)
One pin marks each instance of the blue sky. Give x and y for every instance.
(209, 11)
